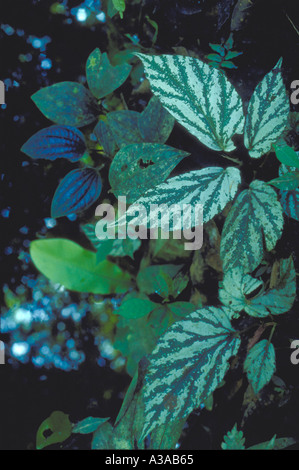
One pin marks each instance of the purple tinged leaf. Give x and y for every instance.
(78, 190)
(56, 142)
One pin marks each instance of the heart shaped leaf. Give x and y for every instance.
(102, 77)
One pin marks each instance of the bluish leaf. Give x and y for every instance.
(228, 64)
(232, 54)
(56, 142)
(217, 48)
(77, 191)
(214, 57)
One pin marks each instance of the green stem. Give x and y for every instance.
(292, 23)
(235, 160)
(272, 333)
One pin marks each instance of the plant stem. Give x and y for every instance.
(235, 160)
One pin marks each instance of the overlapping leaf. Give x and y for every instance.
(155, 123)
(77, 191)
(211, 187)
(199, 96)
(88, 425)
(157, 279)
(260, 364)
(120, 247)
(255, 218)
(105, 136)
(135, 339)
(102, 77)
(67, 103)
(267, 115)
(289, 199)
(103, 437)
(238, 288)
(135, 308)
(188, 363)
(286, 182)
(124, 126)
(56, 142)
(139, 167)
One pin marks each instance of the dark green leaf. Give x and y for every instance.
(106, 138)
(287, 182)
(181, 309)
(155, 123)
(286, 155)
(67, 103)
(232, 55)
(156, 279)
(135, 339)
(217, 48)
(214, 57)
(104, 249)
(102, 77)
(139, 167)
(135, 308)
(260, 365)
(228, 65)
(124, 126)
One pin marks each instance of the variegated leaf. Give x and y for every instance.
(260, 365)
(237, 290)
(289, 199)
(211, 187)
(290, 203)
(199, 96)
(235, 287)
(188, 363)
(255, 218)
(267, 115)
